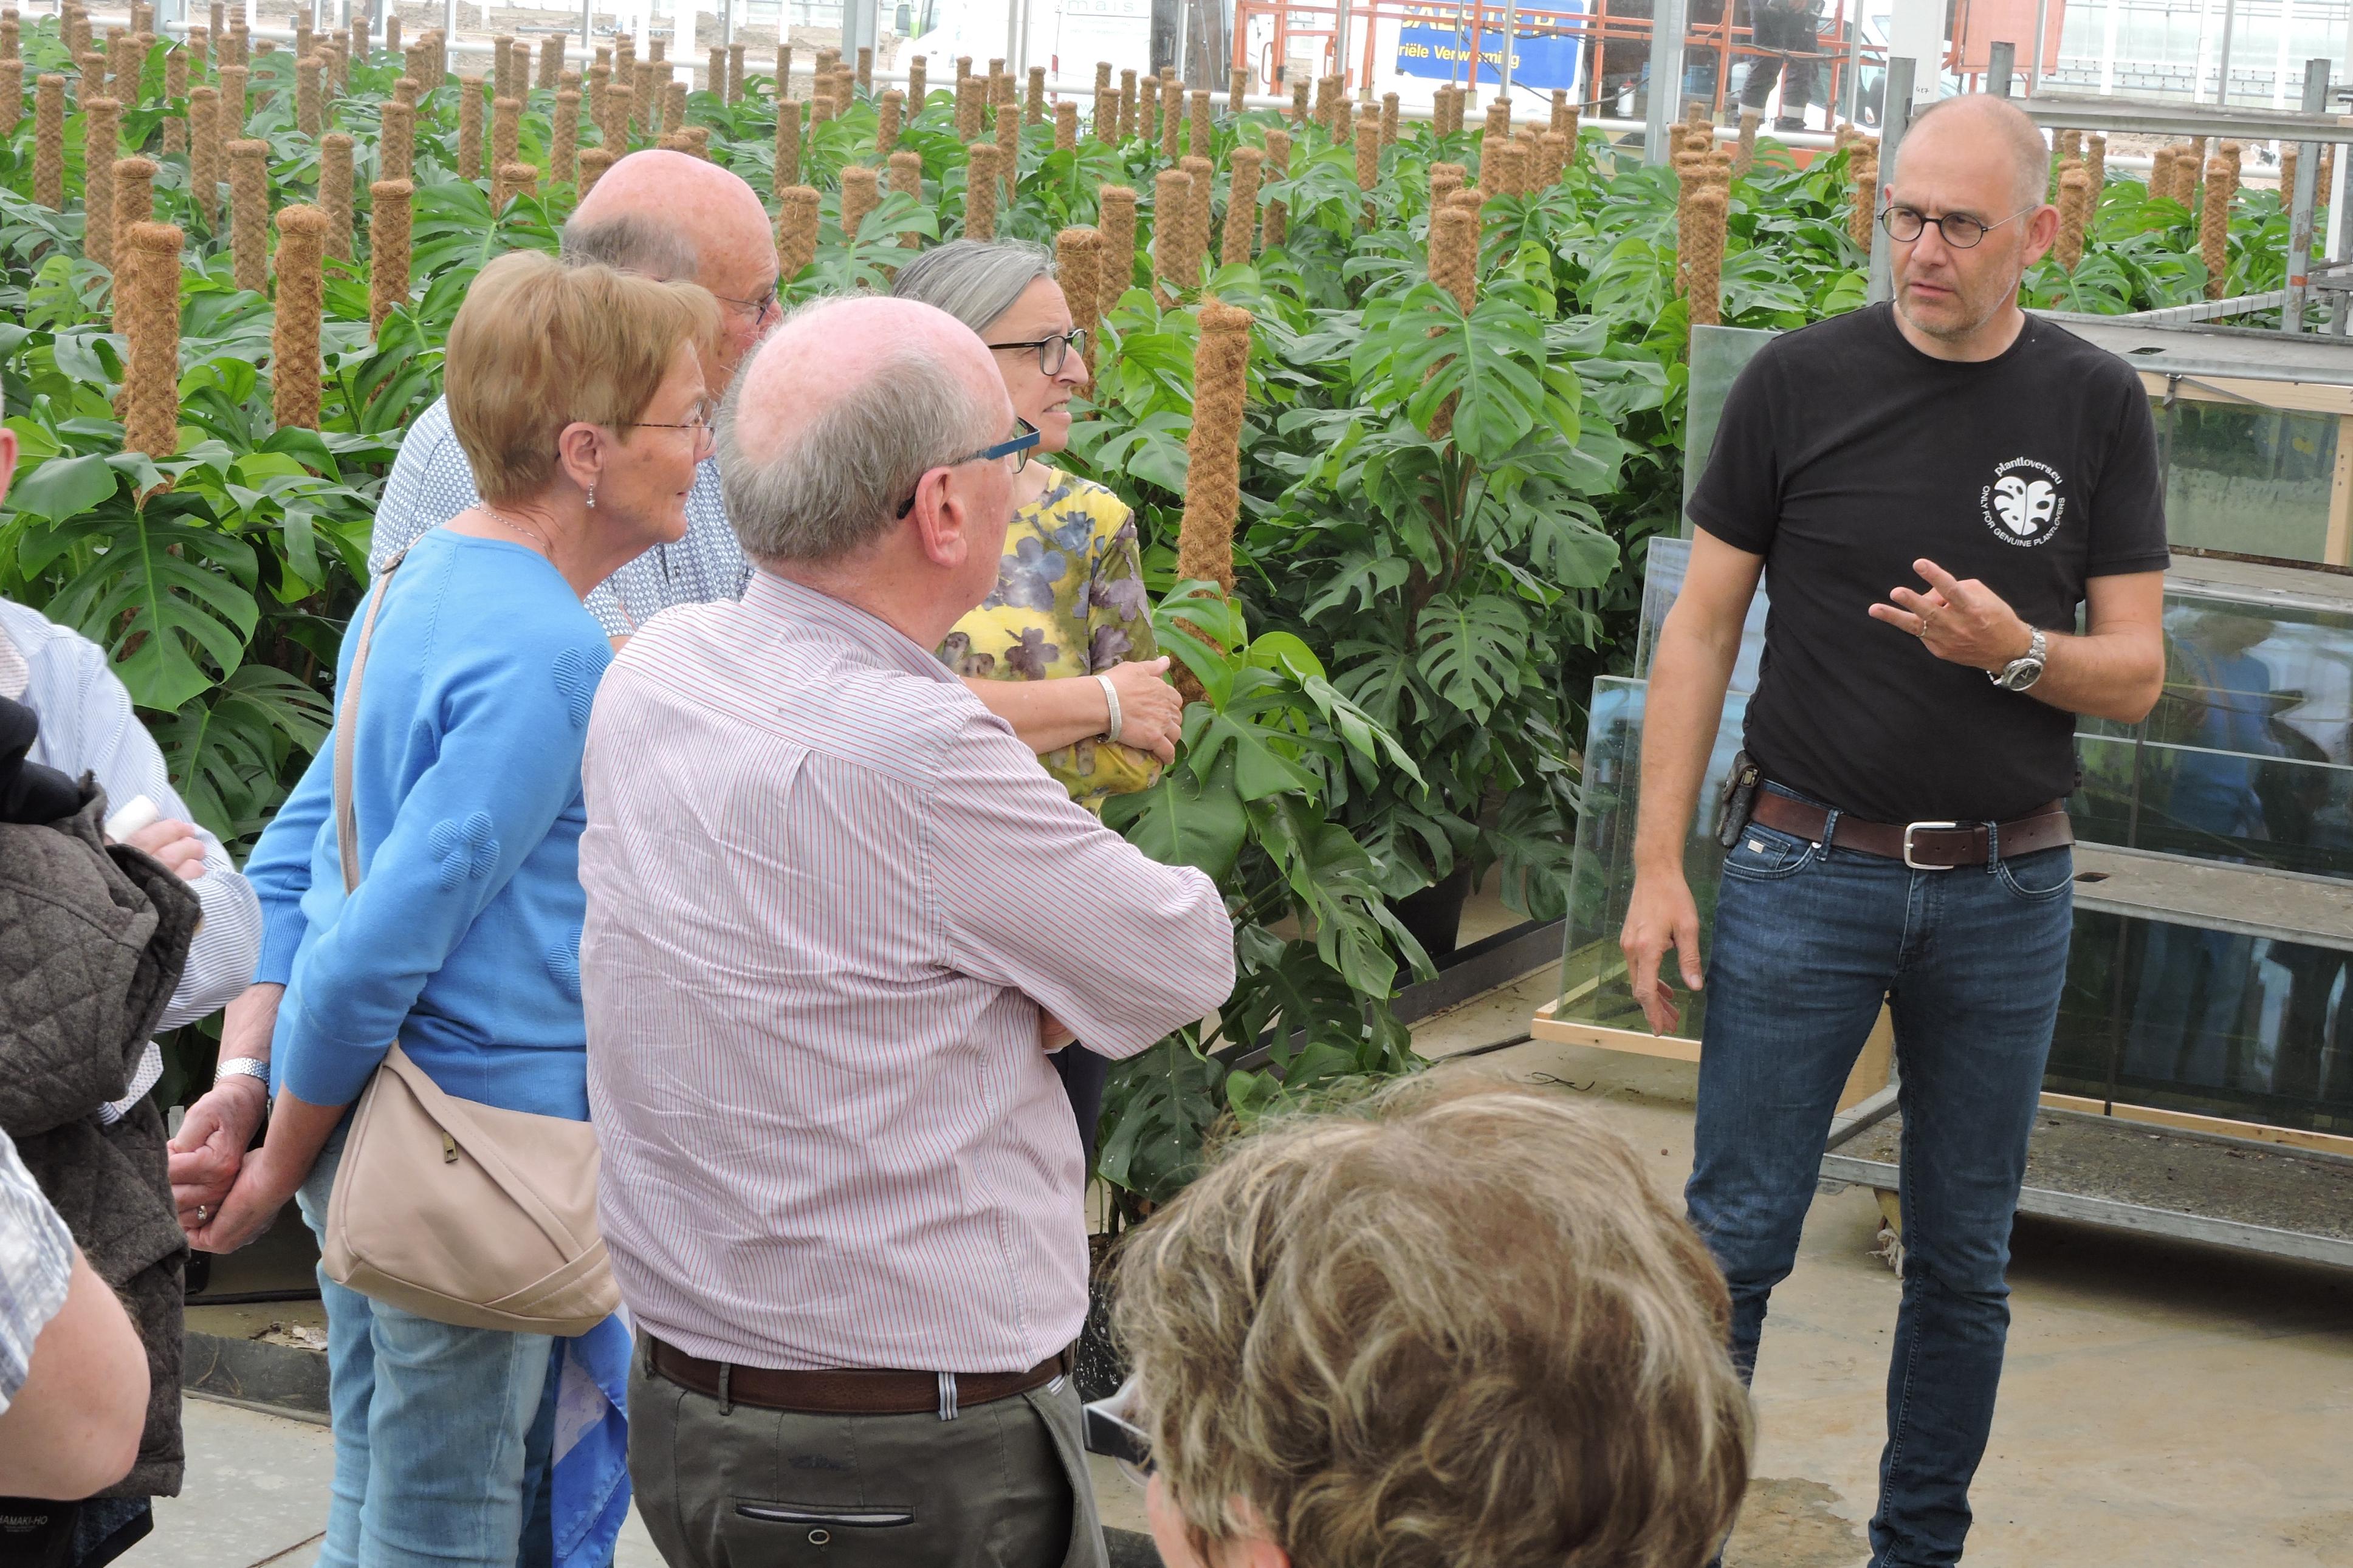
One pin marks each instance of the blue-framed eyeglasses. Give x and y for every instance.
(1013, 452)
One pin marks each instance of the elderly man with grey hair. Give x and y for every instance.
(827, 952)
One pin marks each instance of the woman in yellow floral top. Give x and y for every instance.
(1063, 649)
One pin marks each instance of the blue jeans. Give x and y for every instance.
(1807, 942)
(442, 1433)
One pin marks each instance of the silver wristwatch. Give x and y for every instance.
(2027, 669)
(243, 1066)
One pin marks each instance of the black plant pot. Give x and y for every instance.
(1434, 915)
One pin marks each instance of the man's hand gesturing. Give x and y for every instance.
(1662, 915)
(1963, 622)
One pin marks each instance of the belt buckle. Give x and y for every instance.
(1911, 827)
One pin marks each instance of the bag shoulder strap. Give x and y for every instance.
(347, 824)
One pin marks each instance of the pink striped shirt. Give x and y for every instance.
(829, 893)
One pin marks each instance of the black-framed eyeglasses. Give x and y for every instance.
(1961, 231)
(1111, 1430)
(1013, 452)
(758, 309)
(1055, 352)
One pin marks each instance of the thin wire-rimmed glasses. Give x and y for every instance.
(1111, 1431)
(758, 309)
(1054, 352)
(698, 421)
(1962, 232)
(1013, 452)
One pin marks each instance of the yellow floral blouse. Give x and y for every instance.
(1069, 601)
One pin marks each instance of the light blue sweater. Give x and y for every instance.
(463, 940)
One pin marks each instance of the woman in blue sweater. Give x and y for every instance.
(578, 394)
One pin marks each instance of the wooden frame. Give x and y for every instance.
(1873, 1064)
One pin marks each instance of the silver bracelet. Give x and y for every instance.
(243, 1066)
(1111, 697)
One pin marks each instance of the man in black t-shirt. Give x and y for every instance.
(1935, 488)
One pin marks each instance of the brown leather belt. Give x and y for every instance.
(848, 1391)
(1923, 845)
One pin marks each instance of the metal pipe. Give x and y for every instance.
(2299, 223)
(1895, 115)
(1340, 19)
(2035, 71)
(1853, 90)
(2223, 76)
(2001, 58)
(1670, 21)
(1511, 26)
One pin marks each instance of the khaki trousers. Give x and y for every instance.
(1003, 1485)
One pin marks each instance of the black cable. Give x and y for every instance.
(250, 1298)
(1490, 1048)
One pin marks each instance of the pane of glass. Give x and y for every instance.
(2254, 482)
(1593, 984)
(1662, 579)
(1718, 354)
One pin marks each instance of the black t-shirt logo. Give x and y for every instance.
(2024, 505)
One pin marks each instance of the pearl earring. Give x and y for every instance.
(592, 495)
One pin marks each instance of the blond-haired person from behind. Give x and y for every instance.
(578, 394)
(1461, 1330)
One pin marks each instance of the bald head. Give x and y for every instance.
(714, 213)
(1984, 126)
(839, 411)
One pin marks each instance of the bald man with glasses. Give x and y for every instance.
(1900, 834)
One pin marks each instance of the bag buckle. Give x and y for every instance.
(1912, 827)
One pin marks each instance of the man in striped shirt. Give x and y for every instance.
(835, 912)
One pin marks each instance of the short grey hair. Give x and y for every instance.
(974, 280)
(835, 484)
(628, 243)
(2012, 130)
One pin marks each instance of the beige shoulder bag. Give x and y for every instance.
(456, 1211)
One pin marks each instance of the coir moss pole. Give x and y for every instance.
(1066, 126)
(1115, 214)
(49, 142)
(674, 105)
(1863, 165)
(907, 180)
(506, 131)
(788, 144)
(396, 146)
(2214, 227)
(594, 161)
(1034, 105)
(1275, 225)
(1129, 107)
(1388, 118)
(388, 242)
(889, 114)
(1369, 159)
(980, 192)
(1008, 148)
(1172, 190)
(1703, 265)
(235, 103)
(1205, 538)
(919, 85)
(175, 88)
(2075, 208)
(336, 185)
(1197, 214)
(1453, 266)
(134, 192)
(469, 128)
(614, 133)
(150, 375)
(1241, 206)
(860, 194)
(308, 113)
(103, 140)
(970, 106)
(865, 69)
(205, 155)
(301, 297)
(249, 204)
(564, 139)
(1198, 119)
(795, 230)
(1078, 268)
(735, 72)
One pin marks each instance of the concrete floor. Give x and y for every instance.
(2166, 1403)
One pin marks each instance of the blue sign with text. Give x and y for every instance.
(1542, 61)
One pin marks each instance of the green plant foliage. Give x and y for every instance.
(1391, 694)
